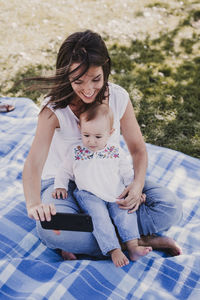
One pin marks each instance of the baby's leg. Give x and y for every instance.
(135, 251)
(128, 231)
(104, 230)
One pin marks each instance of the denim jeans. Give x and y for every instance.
(102, 212)
(161, 210)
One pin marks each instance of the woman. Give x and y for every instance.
(82, 71)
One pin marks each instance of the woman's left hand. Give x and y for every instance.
(132, 197)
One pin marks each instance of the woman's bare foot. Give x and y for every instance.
(135, 251)
(118, 258)
(162, 243)
(68, 255)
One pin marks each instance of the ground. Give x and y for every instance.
(154, 46)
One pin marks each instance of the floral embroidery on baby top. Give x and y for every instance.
(82, 153)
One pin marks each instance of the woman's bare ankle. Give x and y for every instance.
(135, 251)
(132, 243)
(162, 243)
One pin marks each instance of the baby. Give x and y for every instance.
(101, 172)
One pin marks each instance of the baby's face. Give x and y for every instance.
(95, 133)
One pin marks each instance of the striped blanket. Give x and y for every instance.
(28, 270)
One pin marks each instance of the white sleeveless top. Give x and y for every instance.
(69, 133)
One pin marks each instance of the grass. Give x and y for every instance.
(163, 82)
(162, 77)
(20, 89)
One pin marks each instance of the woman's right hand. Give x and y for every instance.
(42, 211)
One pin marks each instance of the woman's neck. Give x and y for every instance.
(77, 106)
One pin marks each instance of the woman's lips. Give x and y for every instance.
(88, 95)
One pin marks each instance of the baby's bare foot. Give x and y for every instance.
(118, 258)
(162, 243)
(68, 255)
(135, 251)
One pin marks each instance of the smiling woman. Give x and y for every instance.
(81, 80)
(83, 59)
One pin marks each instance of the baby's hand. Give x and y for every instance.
(59, 193)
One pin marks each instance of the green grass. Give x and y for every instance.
(20, 88)
(162, 76)
(158, 5)
(164, 88)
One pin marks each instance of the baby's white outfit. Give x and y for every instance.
(104, 173)
(100, 178)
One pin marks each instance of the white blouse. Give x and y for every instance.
(104, 173)
(69, 133)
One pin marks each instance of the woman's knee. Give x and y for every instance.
(171, 206)
(175, 207)
(163, 204)
(78, 242)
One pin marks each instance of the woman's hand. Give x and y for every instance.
(131, 198)
(42, 212)
(59, 193)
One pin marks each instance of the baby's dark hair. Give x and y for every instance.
(96, 110)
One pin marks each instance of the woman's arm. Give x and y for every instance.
(47, 122)
(136, 145)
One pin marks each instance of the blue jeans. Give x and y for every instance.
(161, 210)
(102, 212)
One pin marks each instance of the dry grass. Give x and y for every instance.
(154, 46)
(32, 30)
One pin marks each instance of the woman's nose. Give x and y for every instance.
(88, 88)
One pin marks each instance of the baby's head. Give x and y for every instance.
(96, 125)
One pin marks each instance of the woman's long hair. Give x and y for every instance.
(85, 48)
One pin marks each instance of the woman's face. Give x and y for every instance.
(87, 86)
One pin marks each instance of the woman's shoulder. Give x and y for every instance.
(119, 98)
(117, 90)
(57, 111)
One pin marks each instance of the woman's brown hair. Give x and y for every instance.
(86, 48)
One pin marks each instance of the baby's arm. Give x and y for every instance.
(63, 175)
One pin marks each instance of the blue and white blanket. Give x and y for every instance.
(28, 270)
